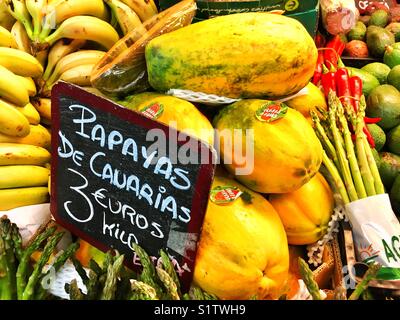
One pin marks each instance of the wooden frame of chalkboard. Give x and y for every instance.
(113, 112)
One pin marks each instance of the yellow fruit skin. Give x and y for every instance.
(13, 154)
(23, 176)
(12, 121)
(243, 249)
(38, 136)
(179, 114)
(305, 103)
(245, 55)
(305, 213)
(30, 113)
(19, 197)
(287, 153)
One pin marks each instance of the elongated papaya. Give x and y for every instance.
(245, 55)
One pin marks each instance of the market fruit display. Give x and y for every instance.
(287, 153)
(305, 222)
(389, 168)
(369, 81)
(243, 249)
(286, 69)
(378, 70)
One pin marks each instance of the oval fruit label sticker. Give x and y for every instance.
(225, 194)
(271, 111)
(153, 111)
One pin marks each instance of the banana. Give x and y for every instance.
(38, 136)
(12, 89)
(17, 9)
(6, 19)
(73, 60)
(20, 62)
(21, 37)
(7, 39)
(145, 9)
(15, 153)
(60, 10)
(126, 17)
(30, 113)
(59, 50)
(23, 176)
(12, 121)
(29, 85)
(43, 106)
(79, 75)
(19, 197)
(36, 10)
(87, 28)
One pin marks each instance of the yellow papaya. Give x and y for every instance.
(268, 155)
(177, 113)
(244, 55)
(310, 101)
(243, 251)
(305, 213)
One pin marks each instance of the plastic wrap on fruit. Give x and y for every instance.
(338, 16)
(123, 68)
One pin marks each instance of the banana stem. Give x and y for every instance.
(355, 170)
(18, 10)
(338, 140)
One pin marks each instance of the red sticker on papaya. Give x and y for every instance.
(224, 194)
(271, 111)
(153, 111)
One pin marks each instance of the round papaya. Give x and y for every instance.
(274, 151)
(174, 112)
(305, 213)
(243, 250)
(244, 55)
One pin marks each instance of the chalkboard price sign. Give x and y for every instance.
(119, 178)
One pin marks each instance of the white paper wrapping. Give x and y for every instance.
(304, 294)
(376, 231)
(29, 218)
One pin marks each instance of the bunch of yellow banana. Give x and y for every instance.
(23, 175)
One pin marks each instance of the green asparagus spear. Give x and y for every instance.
(148, 274)
(142, 291)
(169, 267)
(93, 286)
(363, 285)
(5, 285)
(93, 265)
(209, 296)
(79, 269)
(196, 293)
(37, 271)
(344, 163)
(308, 278)
(112, 277)
(17, 241)
(22, 271)
(41, 293)
(379, 188)
(10, 262)
(168, 283)
(74, 292)
(355, 170)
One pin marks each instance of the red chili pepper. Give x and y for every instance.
(342, 84)
(318, 68)
(371, 120)
(369, 137)
(328, 80)
(340, 49)
(335, 45)
(319, 40)
(356, 91)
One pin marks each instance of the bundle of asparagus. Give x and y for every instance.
(19, 277)
(351, 164)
